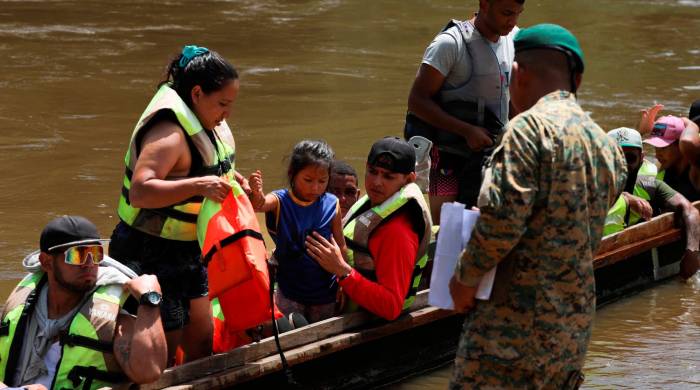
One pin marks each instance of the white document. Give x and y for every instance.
(456, 225)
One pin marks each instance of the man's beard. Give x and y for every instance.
(80, 288)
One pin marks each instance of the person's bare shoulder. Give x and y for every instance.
(164, 134)
(164, 149)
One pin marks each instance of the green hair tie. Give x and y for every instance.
(189, 52)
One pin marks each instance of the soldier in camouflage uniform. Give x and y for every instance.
(546, 192)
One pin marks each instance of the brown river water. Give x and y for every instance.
(75, 75)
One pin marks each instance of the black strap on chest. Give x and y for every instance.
(73, 340)
(356, 247)
(413, 289)
(16, 346)
(5, 329)
(88, 374)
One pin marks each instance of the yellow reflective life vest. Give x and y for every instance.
(361, 220)
(217, 151)
(87, 360)
(620, 216)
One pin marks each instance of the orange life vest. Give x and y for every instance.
(234, 252)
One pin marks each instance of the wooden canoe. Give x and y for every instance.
(359, 350)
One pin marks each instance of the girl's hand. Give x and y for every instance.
(257, 196)
(327, 254)
(245, 185)
(256, 182)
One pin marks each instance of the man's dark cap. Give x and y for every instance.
(394, 154)
(694, 113)
(550, 36)
(67, 231)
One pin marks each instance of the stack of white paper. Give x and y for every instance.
(456, 225)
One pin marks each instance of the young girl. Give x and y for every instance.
(292, 214)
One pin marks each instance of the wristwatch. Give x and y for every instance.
(151, 298)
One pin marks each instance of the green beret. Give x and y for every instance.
(550, 36)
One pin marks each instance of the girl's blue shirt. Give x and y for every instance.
(299, 276)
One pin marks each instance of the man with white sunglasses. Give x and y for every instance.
(64, 325)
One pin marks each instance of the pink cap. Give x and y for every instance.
(667, 130)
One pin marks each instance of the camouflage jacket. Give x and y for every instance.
(546, 192)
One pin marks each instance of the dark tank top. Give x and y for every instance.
(682, 184)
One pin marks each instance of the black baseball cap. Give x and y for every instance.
(67, 231)
(694, 113)
(394, 154)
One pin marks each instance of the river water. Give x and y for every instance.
(75, 75)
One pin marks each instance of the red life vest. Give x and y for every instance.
(234, 252)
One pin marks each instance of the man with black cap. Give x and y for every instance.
(547, 189)
(63, 326)
(387, 233)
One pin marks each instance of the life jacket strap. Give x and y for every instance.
(230, 240)
(91, 373)
(73, 340)
(128, 173)
(194, 199)
(5, 328)
(176, 214)
(417, 270)
(356, 247)
(21, 329)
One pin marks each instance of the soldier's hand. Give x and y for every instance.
(478, 139)
(639, 205)
(214, 188)
(462, 296)
(690, 263)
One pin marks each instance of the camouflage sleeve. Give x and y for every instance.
(505, 201)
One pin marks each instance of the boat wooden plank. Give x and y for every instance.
(654, 227)
(626, 251)
(318, 349)
(267, 347)
(257, 359)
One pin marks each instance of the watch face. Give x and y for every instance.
(154, 298)
(151, 298)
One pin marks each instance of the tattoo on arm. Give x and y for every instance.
(123, 349)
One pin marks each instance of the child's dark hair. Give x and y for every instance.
(208, 70)
(309, 152)
(342, 168)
